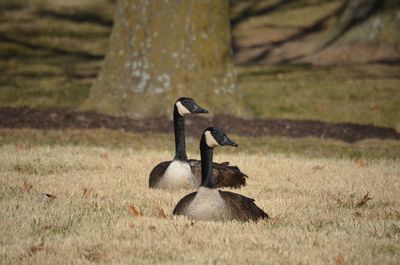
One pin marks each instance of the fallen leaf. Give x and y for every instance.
(87, 192)
(361, 163)
(47, 227)
(317, 167)
(340, 260)
(47, 197)
(275, 220)
(152, 228)
(96, 257)
(337, 199)
(37, 247)
(161, 213)
(357, 214)
(135, 212)
(398, 215)
(364, 200)
(27, 186)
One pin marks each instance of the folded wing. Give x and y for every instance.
(224, 175)
(241, 207)
(157, 173)
(183, 204)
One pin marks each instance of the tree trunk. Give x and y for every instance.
(162, 50)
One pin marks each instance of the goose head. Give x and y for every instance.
(214, 137)
(186, 106)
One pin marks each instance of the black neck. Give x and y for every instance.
(179, 129)
(206, 164)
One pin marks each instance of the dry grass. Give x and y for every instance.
(103, 211)
(304, 147)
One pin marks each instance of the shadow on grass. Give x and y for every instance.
(317, 26)
(82, 16)
(58, 51)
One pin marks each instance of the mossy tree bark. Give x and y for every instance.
(162, 50)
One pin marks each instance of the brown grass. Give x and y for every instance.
(103, 211)
(306, 147)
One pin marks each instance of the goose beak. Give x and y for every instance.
(227, 141)
(198, 109)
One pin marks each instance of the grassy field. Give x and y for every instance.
(367, 94)
(317, 208)
(369, 149)
(103, 212)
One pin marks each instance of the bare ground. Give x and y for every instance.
(58, 118)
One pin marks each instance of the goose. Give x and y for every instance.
(185, 173)
(209, 203)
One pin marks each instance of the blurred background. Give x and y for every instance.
(330, 61)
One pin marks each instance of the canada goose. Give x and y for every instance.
(184, 173)
(210, 204)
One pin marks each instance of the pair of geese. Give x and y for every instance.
(207, 203)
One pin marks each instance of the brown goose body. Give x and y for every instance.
(209, 203)
(215, 205)
(224, 175)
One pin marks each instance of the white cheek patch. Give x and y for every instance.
(210, 140)
(182, 110)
